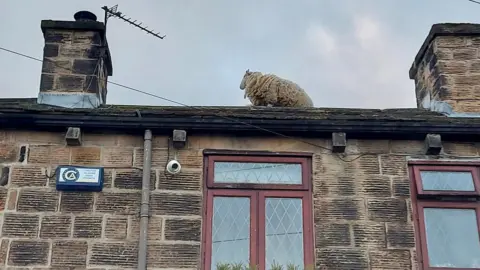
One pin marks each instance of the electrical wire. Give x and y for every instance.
(473, 1)
(328, 150)
(192, 107)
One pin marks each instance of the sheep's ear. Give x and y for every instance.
(248, 71)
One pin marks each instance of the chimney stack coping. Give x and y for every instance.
(443, 29)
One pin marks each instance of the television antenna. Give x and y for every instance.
(112, 12)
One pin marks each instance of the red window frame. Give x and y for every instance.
(452, 168)
(258, 193)
(434, 199)
(259, 159)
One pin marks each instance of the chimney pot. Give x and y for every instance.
(85, 16)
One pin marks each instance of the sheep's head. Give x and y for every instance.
(243, 84)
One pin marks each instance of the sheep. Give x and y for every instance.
(273, 91)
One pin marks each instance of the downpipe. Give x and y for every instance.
(144, 208)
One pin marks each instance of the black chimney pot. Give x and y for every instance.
(85, 16)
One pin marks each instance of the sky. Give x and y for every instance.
(344, 53)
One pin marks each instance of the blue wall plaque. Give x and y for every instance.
(76, 178)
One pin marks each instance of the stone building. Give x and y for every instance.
(339, 189)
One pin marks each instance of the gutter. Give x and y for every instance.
(144, 208)
(459, 128)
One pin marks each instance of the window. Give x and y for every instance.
(447, 210)
(258, 211)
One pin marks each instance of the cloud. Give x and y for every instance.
(320, 39)
(363, 66)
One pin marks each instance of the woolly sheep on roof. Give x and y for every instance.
(271, 90)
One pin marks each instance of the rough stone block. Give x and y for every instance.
(28, 176)
(185, 180)
(20, 225)
(394, 165)
(37, 200)
(5, 243)
(114, 254)
(70, 83)
(56, 66)
(183, 229)
(117, 156)
(367, 146)
(12, 199)
(191, 159)
(339, 209)
(173, 256)
(132, 179)
(86, 156)
(401, 186)
(86, 37)
(331, 164)
(28, 252)
(341, 259)
(8, 152)
(56, 226)
(332, 234)
(388, 209)
(107, 178)
(155, 225)
(159, 157)
(50, 50)
(87, 226)
(69, 253)
(390, 259)
(176, 204)
(116, 227)
(118, 203)
(3, 198)
(400, 235)
(85, 67)
(369, 234)
(57, 36)
(407, 147)
(46, 82)
(48, 154)
(341, 184)
(76, 202)
(460, 148)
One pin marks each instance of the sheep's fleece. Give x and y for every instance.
(273, 91)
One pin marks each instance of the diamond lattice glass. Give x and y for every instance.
(283, 232)
(452, 237)
(453, 181)
(258, 173)
(230, 230)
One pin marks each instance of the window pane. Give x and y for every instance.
(230, 230)
(258, 173)
(455, 181)
(452, 237)
(283, 232)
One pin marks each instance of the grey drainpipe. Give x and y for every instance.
(147, 162)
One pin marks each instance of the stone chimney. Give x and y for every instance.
(446, 70)
(76, 62)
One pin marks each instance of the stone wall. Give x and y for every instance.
(47, 229)
(362, 210)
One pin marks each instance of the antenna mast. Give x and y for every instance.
(112, 12)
